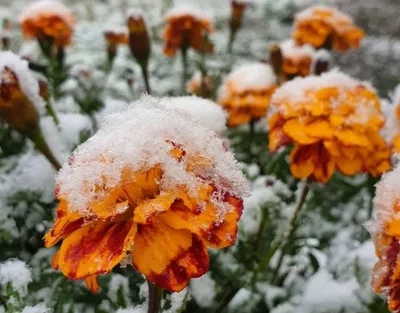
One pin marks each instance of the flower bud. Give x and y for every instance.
(238, 8)
(139, 39)
(276, 58)
(321, 62)
(113, 39)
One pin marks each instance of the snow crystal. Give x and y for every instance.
(240, 298)
(17, 273)
(387, 196)
(252, 76)
(324, 294)
(138, 139)
(42, 8)
(203, 111)
(292, 51)
(308, 14)
(203, 290)
(116, 283)
(40, 308)
(27, 81)
(137, 309)
(184, 10)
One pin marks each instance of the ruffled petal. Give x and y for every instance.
(92, 284)
(65, 224)
(96, 248)
(295, 130)
(301, 161)
(169, 257)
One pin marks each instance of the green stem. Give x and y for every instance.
(42, 146)
(232, 291)
(232, 36)
(250, 142)
(185, 68)
(292, 227)
(50, 110)
(145, 73)
(155, 297)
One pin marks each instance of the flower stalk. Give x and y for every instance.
(155, 297)
(42, 146)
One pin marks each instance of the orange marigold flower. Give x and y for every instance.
(385, 232)
(48, 19)
(139, 39)
(158, 194)
(115, 37)
(326, 27)
(187, 28)
(296, 59)
(246, 93)
(334, 122)
(194, 85)
(20, 102)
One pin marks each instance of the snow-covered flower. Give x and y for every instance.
(48, 20)
(194, 85)
(296, 59)
(246, 93)
(187, 28)
(151, 184)
(115, 37)
(325, 27)
(334, 122)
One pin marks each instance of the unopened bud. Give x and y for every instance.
(238, 8)
(139, 39)
(43, 88)
(276, 58)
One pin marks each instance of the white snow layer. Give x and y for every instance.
(17, 273)
(203, 290)
(40, 308)
(203, 111)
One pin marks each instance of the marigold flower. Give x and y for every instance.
(20, 102)
(159, 194)
(139, 39)
(325, 27)
(187, 28)
(246, 93)
(194, 85)
(114, 38)
(48, 19)
(334, 122)
(296, 59)
(385, 232)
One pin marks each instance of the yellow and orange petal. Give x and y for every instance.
(325, 27)
(163, 229)
(187, 30)
(246, 93)
(334, 122)
(48, 19)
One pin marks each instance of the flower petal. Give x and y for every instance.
(96, 248)
(65, 224)
(169, 257)
(301, 161)
(92, 284)
(294, 129)
(349, 166)
(351, 138)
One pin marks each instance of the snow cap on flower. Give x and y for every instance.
(16, 273)
(334, 122)
(325, 27)
(154, 185)
(246, 92)
(48, 18)
(204, 111)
